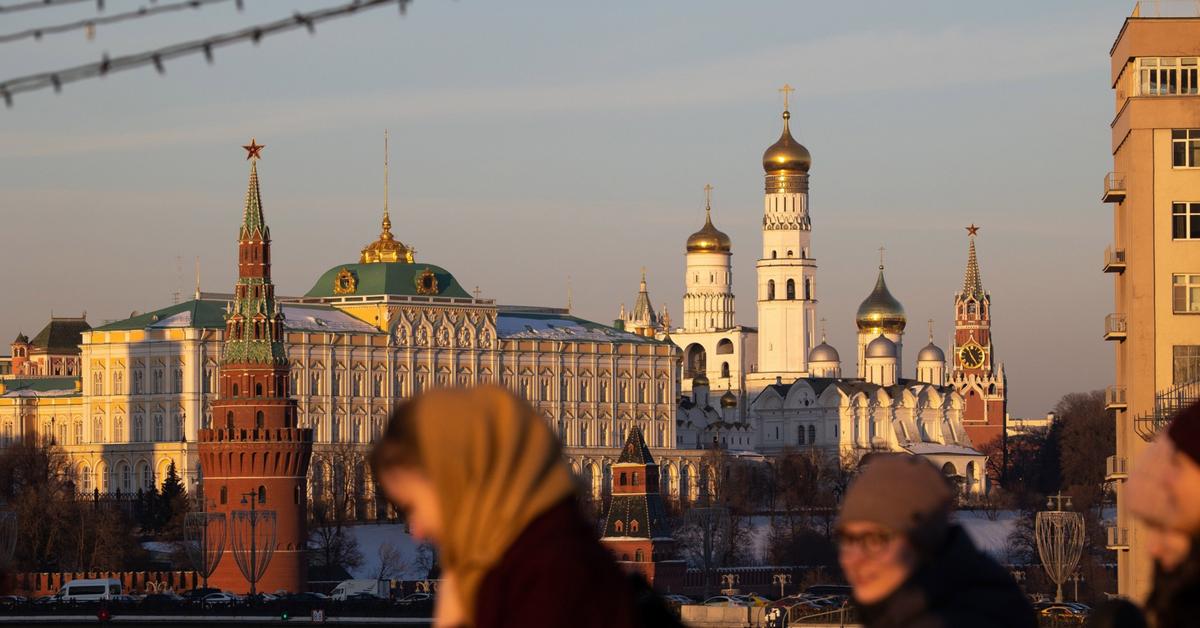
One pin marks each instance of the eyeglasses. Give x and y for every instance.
(869, 543)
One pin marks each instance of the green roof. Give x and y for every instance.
(198, 314)
(391, 278)
(39, 384)
(61, 335)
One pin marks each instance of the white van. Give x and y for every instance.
(347, 588)
(89, 590)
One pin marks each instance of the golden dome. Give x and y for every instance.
(880, 311)
(787, 153)
(387, 248)
(708, 239)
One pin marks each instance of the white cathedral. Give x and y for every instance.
(781, 387)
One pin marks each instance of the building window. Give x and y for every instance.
(1185, 292)
(770, 289)
(1185, 221)
(177, 375)
(98, 383)
(78, 432)
(812, 435)
(791, 289)
(158, 428)
(1185, 148)
(98, 430)
(1167, 76)
(1186, 363)
(118, 383)
(224, 494)
(801, 435)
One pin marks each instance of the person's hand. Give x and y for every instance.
(448, 611)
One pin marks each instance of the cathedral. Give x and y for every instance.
(781, 385)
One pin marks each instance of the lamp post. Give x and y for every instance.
(730, 580)
(1060, 537)
(781, 579)
(250, 528)
(205, 532)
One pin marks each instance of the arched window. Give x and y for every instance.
(724, 369)
(126, 484)
(224, 494)
(229, 420)
(812, 434)
(697, 361)
(790, 253)
(636, 481)
(639, 556)
(774, 255)
(258, 390)
(262, 494)
(791, 289)
(770, 290)
(624, 480)
(258, 419)
(235, 390)
(618, 526)
(633, 526)
(801, 435)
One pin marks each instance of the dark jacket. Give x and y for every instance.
(958, 586)
(558, 574)
(1175, 600)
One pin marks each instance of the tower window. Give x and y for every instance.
(1185, 221)
(224, 494)
(1167, 76)
(791, 289)
(774, 254)
(724, 369)
(258, 419)
(262, 494)
(770, 289)
(790, 254)
(1185, 148)
(624, 480)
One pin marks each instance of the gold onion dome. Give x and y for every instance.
(787, 153)
(728, 400)
(708, 239)
(700, 380)
(880, 311)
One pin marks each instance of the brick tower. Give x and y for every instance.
(254, 451)
(636, 529)
(976, 375)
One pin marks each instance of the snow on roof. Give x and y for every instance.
(317, 318)
(925, 449)
(178, 319)
(568, 328)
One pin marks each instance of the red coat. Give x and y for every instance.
(558, 574)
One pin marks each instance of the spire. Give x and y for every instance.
(643, 310)
(931, 331)
(252, 214)
(387, 248)
(972, 283)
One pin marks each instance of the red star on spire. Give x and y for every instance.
(972, 230)
(254, 149)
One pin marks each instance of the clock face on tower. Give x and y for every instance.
(971, 356)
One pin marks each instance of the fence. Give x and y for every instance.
(33, 584)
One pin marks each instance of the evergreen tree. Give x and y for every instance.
(173, 504)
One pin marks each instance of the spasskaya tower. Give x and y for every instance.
(976, 375)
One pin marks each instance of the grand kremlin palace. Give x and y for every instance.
(129, 399)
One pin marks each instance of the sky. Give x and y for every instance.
(539, 145)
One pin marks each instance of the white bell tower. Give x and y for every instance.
(787, 299)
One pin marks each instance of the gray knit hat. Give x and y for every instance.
(904, 493)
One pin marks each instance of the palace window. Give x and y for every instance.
(315, 384)
(158, 381)
(1185, 148)
(98, 383)
(1186, 360)
(377, 386)
(125, 478)
(138, 386)
(1185, 294)
(78, 432)
(1185, 221)
(177, 375)
(98, 430)
(1167, 76)
(118, 382)
(147, 477)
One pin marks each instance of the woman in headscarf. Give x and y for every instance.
(481, 476)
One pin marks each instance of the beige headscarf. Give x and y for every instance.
(496, 466)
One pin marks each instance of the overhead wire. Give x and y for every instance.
(159, 56)
(91, 23)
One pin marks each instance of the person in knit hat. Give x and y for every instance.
(1164, 493)
(908, 565)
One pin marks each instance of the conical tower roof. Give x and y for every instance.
(972, 282)
(636, 451)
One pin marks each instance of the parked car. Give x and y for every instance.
(726, 600)
(754, 599)
(415, 598)
(219, 599)
(89, 590)
(1062, 613)
(194, 595)
(349, 588)
(46, 600)
(9, 601)
(678, 600)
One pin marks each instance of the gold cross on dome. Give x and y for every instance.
(254, 149)
(708, 188)
(786, 90)
(931, 330)
(881, 250)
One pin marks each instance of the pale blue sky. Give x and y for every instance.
(536, 140)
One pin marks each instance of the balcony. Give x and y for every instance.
(1114, 260)
(1167, 404)
(1118, 538)
(1114, 187)
(1114, 398)
(1115, 468)
(1114, 327)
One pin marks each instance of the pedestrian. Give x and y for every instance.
(1164, 493)
(907, 565)
(481, 476)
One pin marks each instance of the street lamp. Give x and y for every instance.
(781, 579)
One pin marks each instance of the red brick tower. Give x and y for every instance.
(636, 529)
(976, 375)
(254, 451)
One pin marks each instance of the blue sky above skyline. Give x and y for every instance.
(541, 140)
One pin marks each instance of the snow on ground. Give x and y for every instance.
(989, 536)
(371, 537)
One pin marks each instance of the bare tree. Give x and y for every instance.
(391, 562)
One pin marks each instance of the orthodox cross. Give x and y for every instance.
(708, 188)
(786, 90)
(931, 330)
(822, 329)
(477, 292)
(881, 250)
